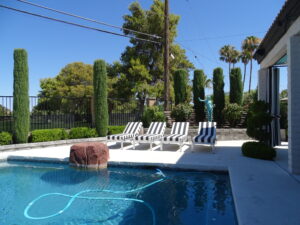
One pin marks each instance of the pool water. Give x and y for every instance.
(55, 194)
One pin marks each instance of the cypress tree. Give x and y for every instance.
(199, 92)
(218, 94)
(236, 86)
(180, 86)
(100, 97)
(21, 114)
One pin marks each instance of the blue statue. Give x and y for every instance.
(209, 109)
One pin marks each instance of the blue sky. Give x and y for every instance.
(205, 26)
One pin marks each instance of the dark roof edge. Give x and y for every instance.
(285, 18)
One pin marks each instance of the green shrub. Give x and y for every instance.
(182, 112)
(233, 113)
(199, 92)
(180, 86)
(115, 129)
(218, 95)
(5, 138)
(21, 114)
(250, 97)
(236, 86)
(283, 114)
(48, 135)
(100, 97)
(258, 119)
(258, 150)
(82, 132)
(152, 114)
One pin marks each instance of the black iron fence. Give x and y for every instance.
(66, 113)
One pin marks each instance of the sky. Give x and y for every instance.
(204, 27)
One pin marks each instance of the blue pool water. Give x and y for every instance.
(53, 194)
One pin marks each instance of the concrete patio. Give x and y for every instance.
(265, 193)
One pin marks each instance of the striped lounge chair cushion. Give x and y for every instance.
(131, 129)
(148, 137)
(206, 133)
(179, 132)
(119, 137)
(154, 133)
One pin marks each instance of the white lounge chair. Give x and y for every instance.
(179, 134)
(131, 130)
(154, 134)
(206, 134)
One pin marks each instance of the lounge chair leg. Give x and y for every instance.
(193, 146)
(151, 146)
(133, 145)
(161, 146)
(122, 145)
(213, 148)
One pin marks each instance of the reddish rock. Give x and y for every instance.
(89, 155)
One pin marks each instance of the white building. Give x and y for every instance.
(281, 47)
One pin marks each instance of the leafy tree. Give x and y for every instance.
(21, 114)
(180, 86)
(100, 97)
(148, 56)
(250, 44)
(219, 95)
(236, 86)
(284, 93)
(200, 82)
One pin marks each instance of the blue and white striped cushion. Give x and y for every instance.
(131, 129)
(206, 133)
(154, 133)
(180, 128)
(119, 137)
(148, 137)
(179, 132)
(175, 138)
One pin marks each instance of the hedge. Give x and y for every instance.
(115, 129)
(5, 138)
(258, 150)
(48, 135)
(82, 132)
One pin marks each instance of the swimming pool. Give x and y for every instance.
(55, 194)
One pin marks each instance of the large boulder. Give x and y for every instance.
(89, 155)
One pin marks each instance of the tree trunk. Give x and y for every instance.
(245, 68)
(250, 75)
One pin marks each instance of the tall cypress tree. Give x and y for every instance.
(100, 97)
(236, 86)
(199, 92)
(180, 86)
(21, 114)
(219, 95)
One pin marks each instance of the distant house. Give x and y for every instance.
(281, 47)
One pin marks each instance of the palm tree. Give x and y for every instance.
(245, 57)
(225, 54)
(234, 56)
(251, 43)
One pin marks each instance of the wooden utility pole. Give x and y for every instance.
(166, 59)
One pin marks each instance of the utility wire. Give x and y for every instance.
(88, 19)
(220, 37)
(76, 24)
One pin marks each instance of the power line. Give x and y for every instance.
(88, 19)
(221, 37)
(76, 24)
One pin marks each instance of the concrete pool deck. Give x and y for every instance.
(264, 192)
